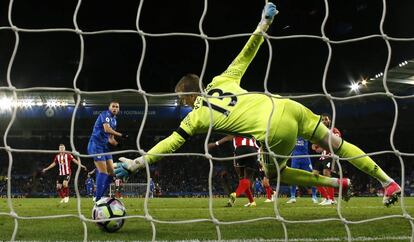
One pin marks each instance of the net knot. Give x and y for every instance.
(328, 96)
(389, 94)
(215, 221)
(142, 152)
(82, 217)
(397, 153)
(149, 217)
(325, 39)
(76, 153)
(142, 92)
(208, 156)
(14, 214)
(407, 216)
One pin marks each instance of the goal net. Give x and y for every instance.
(148, 46)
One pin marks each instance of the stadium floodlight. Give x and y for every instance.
(364, 82)
(51, 103)
(355, 86)
(83, 103)
(5, 103)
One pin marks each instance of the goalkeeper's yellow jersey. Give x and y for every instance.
(233, 109)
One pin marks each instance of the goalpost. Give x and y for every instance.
(129, 189)
(143, 188)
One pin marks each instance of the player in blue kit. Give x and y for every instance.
(301, 148)
(90, 183)
(102, 138)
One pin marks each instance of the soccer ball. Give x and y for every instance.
(109, 208)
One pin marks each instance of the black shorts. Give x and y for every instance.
(250, 161)
(63, 178)
(325, 164)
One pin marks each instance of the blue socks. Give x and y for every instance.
(101, 184)
(314, 192)
(293, 191)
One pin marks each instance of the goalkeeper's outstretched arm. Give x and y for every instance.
(240, 64)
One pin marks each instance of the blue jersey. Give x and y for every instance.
(99, 136)
(258, 186)
(152, 186)
(89, 182)
(302, 147)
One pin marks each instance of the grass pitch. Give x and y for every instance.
(175, 209)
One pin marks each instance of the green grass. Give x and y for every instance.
(174, 209)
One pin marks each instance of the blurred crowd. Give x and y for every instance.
(181, 175)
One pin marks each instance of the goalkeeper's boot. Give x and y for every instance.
(291, 200)
(232, 200)
(346, 189)
(391, 193)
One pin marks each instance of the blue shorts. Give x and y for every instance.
(94, 148)
(302, 163)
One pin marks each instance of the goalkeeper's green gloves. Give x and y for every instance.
(269, 12)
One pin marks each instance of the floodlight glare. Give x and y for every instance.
(354, 86)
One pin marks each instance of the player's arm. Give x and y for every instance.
(109, 130)
(240, 64)
(92, 172)
(220, 142)
(194, 121)
(79, 164)
(53, 164)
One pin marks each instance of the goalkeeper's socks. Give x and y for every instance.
(243, 185)
(293, 191)
(101, 181)
(365, 164)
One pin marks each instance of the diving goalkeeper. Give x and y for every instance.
(231, 109)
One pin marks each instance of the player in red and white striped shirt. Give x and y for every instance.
(63, 160)
(245, 167)
(326, 165)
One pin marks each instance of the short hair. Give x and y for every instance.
(327, 115)
(188, 83)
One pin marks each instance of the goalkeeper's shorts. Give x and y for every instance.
(292, 120)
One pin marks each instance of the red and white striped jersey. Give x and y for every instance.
(63, 161)
(336, 132)
(242, 141)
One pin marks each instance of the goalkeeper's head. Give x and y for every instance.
(188, 83)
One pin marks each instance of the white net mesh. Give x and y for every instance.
(140, 91)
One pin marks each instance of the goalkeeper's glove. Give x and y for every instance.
(269, 12)
(127, 167)
(121, 172)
